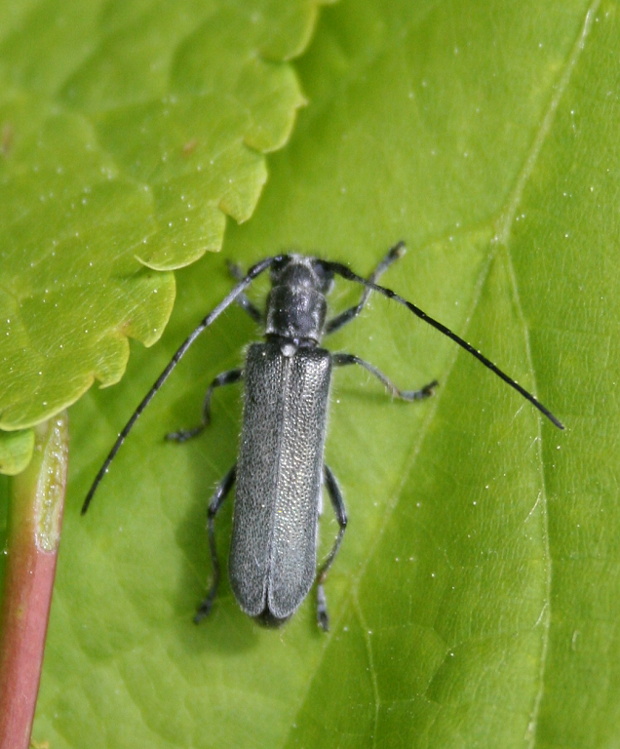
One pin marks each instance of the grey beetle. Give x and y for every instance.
(280, 469)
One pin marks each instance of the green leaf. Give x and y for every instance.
(127, 138)
(475, 598)
(15, 451)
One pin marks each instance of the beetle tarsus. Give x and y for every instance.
(322, 617)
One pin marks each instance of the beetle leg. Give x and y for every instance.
(344, 317)
(216, 501)
(342, 360)
(242, 300)
(226, 378)
(337, 501)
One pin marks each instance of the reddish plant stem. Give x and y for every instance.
(35, 519)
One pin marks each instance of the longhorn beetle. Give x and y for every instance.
(280, 469)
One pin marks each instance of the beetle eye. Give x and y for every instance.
(279, 266)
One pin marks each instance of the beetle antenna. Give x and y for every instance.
(254, 271)
(347, 273)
